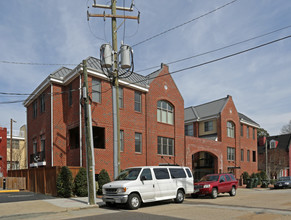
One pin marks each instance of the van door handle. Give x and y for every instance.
(153, 185)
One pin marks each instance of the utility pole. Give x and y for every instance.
(266, 152)
(88, 134)
(115, 84)
(11, 124)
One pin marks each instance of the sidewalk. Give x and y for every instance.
(15, 210)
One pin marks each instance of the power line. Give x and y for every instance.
(187, 22)
(218, 59)
(37, 64)
(218, 49)
(180, 70)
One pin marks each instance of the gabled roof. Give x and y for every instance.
(283, 141)
(61, 73)
(64, 75)
(212, 110)
(246, 120)
(205, 111)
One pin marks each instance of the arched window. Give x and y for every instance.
(230, 129)
(165, 112)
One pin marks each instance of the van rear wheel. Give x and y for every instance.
(180, 196)
(133, 201)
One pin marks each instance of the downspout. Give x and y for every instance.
(80, 122)
(52, 128)
(26, 142)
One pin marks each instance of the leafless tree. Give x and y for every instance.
(286, 129)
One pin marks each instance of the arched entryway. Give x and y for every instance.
(204, 163)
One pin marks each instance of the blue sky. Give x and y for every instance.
(57, 32)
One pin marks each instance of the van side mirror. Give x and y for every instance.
(143, 178)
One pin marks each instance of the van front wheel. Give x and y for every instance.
(133, 201)
(180, 196)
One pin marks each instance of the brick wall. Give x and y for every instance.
(3, 151)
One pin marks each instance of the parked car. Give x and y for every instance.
(283, 182)
(149, 184)
(213, 184)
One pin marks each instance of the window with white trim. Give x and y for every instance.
(96, 90)
(166, 146)
(230, 129)
(230, 153)
(165, 112)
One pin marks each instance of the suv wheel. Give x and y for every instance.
(133, 201)
(214, 193)
(233, 191)
(180, 196)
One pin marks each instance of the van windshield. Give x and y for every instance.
(129, 174)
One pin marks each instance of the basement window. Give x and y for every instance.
(99, 137)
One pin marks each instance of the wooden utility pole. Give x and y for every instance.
(88, 134)
(115, 91)
(11, 124)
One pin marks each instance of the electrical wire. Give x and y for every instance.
(218, 49)
(187, 22)
(37, 64)
(184, 69)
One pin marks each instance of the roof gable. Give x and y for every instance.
(204, 111)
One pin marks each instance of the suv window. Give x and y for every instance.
(161, 173)
(177, 173)
(189, 173)
(147, 174)
(222, 178)
(232, 177)
(227, 177)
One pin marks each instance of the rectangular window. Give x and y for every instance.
(99, 137)
(254, 133)
(189, 130)
(42, 103)
(230, 129)
(166, 146)
(70, 95)
(34, 105)
(242, 155)
(34, 146)
(121, 140)
(42, 148)
(74, 138)
(15, 144)
(96, 90)
(138, 142)
(137, 101)
(230, 153)
(208, 126)
(254, 156)
(248, 156)
(241, 130)
(248, 131)
(120, 97)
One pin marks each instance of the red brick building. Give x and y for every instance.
(278, 155)
(3, 152)
(220, 139)
(151, 119)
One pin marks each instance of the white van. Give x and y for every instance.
(149, 184)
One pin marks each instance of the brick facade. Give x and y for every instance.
(218, 148)
(61, 118)
(3, 152)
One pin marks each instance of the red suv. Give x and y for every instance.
(213, 184)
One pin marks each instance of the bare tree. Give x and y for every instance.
(286, 129)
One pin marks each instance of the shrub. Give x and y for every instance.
(258, 175)
(80, 183)
(103, 178)
(245, 177)
(65, 183)
(263, 175)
